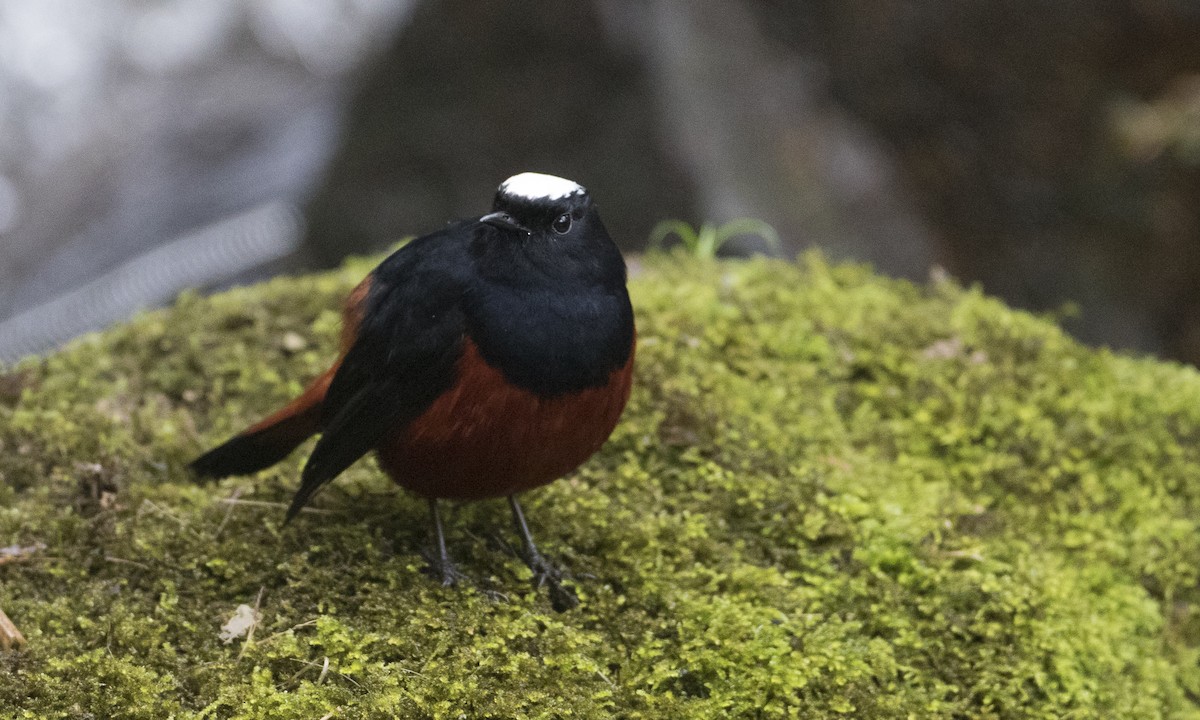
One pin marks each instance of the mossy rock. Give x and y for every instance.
(832, 495)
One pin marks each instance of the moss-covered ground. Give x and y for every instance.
(832, 495)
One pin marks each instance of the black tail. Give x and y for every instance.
(247, 453)
(271, 440)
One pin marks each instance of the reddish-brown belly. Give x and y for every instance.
(486, 438)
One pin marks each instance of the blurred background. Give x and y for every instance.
(1049, 151)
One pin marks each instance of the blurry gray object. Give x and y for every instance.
(209, 256)
(758, 138)
(127, 123)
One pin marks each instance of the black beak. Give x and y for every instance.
(504, 221)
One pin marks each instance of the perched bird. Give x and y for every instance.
(479, 361)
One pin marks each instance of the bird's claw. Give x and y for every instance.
(562, 598)
(443, 569)
(547, 574)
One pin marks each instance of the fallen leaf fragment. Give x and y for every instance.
(10, 637)
(16, 553)
(244, 619)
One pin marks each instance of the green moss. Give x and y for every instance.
(832, 495)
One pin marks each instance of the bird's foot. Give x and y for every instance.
(441, 568)
(544, 572)
(547, 574)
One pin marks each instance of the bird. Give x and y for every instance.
(478, 361)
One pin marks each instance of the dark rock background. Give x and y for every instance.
(475, 91)
(1053, 147)
(1049, 151)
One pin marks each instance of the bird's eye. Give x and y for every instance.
(562, 224)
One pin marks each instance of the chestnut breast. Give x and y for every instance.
(488, 437)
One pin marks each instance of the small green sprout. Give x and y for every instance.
(705, 241)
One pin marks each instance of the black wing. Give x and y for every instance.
(404, 357)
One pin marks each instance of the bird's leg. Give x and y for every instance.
(544, 572)
(439, 559)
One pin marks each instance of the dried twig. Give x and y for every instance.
(237, 494)
(264, 503)
(307, 623)
(123, 561)
(164, 512)
(253, 626)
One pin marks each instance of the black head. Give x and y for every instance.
(533, 203)
(550, 222)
